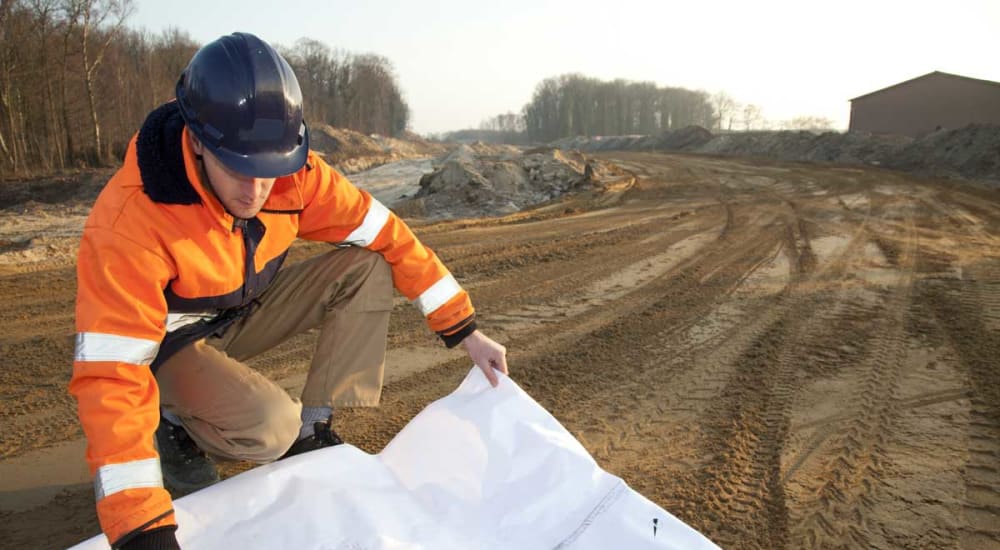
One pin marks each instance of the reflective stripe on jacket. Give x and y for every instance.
(161, 262)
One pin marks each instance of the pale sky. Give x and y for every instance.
(459, 62)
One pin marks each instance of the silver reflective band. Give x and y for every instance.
(438, 294)
(137, 474)
(179, 320)
(374, 221)
(95, 346)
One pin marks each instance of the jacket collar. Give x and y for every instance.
(159, 156)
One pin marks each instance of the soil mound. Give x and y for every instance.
(803, 145)
(685, 139)
(972, 152)
(968, 153)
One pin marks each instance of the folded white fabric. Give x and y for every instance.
(482, 468)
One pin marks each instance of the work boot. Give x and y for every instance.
(186, 468)
(323, 436)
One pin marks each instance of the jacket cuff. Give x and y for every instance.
(453, 339)
(160, 538)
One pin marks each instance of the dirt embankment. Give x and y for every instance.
(352, 152)
(969, 153)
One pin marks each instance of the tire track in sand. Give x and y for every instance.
(748, 428)
(838, 516)
(968, 310)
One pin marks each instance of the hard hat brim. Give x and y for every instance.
(264, 164)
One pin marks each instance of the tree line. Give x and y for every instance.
(576, 105)
(76, 83)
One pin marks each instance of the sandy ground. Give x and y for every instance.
(782, 355)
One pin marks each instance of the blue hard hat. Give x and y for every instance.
(242, 100)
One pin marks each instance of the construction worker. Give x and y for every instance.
(180, 281)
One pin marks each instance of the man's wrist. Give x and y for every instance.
(160, 538)
(452, 340)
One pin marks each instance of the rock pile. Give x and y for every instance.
(466, 184)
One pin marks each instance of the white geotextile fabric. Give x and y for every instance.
(482, 468)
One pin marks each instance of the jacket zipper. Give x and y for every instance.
(249, 251)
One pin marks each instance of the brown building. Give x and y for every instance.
(927, 103)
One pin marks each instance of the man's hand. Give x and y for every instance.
(487, 355)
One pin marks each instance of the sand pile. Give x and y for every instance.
(493, 149)
(352, 152)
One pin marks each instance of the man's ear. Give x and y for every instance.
(196, 145)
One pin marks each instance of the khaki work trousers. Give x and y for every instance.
(233, 411)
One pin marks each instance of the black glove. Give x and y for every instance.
(161, 538)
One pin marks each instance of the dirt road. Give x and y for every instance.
(782, 355)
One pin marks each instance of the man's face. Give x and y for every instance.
(243, 196)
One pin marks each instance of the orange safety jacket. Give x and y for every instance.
(162, 263)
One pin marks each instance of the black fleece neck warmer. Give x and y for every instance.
(161, 157)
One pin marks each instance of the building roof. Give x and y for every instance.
(949, 75)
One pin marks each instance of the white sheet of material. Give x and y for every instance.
(482, 468)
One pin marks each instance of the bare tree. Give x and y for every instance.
(359, 92)
(44, 16)
(725, 108)
(752, 117)
(8, 64)
(503, 128)
(91, 16)
(169, 54)
(315, 68)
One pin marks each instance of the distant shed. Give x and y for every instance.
(927, 103)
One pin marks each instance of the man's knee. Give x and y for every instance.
(366, 280)
(278, 427)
